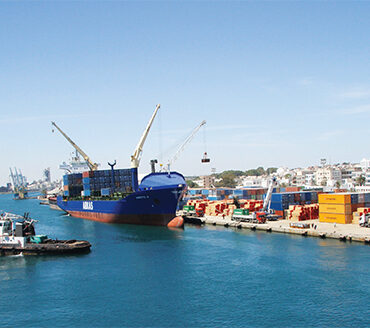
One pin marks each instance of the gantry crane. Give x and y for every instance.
(136, 156)
(19, 184)
(93, 166)
(182, 147)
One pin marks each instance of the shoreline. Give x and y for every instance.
(343, 232)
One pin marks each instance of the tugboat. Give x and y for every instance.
(17, 236)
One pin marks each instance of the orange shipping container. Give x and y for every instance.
(335, 218)
(335, 208)
(334, 199)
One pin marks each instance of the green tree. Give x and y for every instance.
(361, 180)
(338, 184)
(192, 184)
(271, 170)
(261, 171)
(227, 180)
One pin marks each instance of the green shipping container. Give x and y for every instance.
(189, 208)
(241, 211)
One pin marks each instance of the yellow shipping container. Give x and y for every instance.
(335, 208)
(334, 199)
(335, 218)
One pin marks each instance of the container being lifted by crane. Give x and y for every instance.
(182, 147)
(92, 166)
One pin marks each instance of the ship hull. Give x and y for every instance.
(156, 206)
(141, 219)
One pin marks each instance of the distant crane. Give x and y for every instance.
(136, 156)
(92, 166)
(19, 184)
(187, 140)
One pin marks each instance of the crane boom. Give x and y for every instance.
(13, 177)
(135, 157)
(92, 166)
(266, 203)
(187, 140)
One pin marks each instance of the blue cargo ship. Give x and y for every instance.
(115, 196)
(152, 202)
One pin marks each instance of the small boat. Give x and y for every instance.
(17, 236)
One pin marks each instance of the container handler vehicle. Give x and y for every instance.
(265, 214)
(365, 220)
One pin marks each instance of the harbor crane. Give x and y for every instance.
(92, 166)
(187, 140)
(267, 201)
(19, 184)
(136, 156)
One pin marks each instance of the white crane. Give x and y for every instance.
(136, 156)
(92, 166)
(266, 203)
(182, 147)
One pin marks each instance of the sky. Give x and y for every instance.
(280, 83)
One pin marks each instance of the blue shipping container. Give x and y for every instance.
(105, 191)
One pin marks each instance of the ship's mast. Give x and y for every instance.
(136, 156)
(93, 166)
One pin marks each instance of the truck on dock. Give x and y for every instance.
(365, 220)
(266, 214)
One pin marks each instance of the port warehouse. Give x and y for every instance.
(289, 203)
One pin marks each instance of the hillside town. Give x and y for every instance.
(349, 176)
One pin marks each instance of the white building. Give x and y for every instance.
(327, 175)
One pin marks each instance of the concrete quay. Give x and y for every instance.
(343, 232)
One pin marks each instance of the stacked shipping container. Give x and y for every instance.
(223, 207)
(225, 193)
(72, 184)
(98, 183)
(281, 202)
(339, 208)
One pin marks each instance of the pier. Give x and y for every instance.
(343, 232)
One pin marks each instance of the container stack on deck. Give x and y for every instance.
(339, 208)
(97, 183)
(72, 184)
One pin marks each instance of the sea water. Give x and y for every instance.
(138, 276)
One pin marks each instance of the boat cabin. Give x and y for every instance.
(10, 237)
